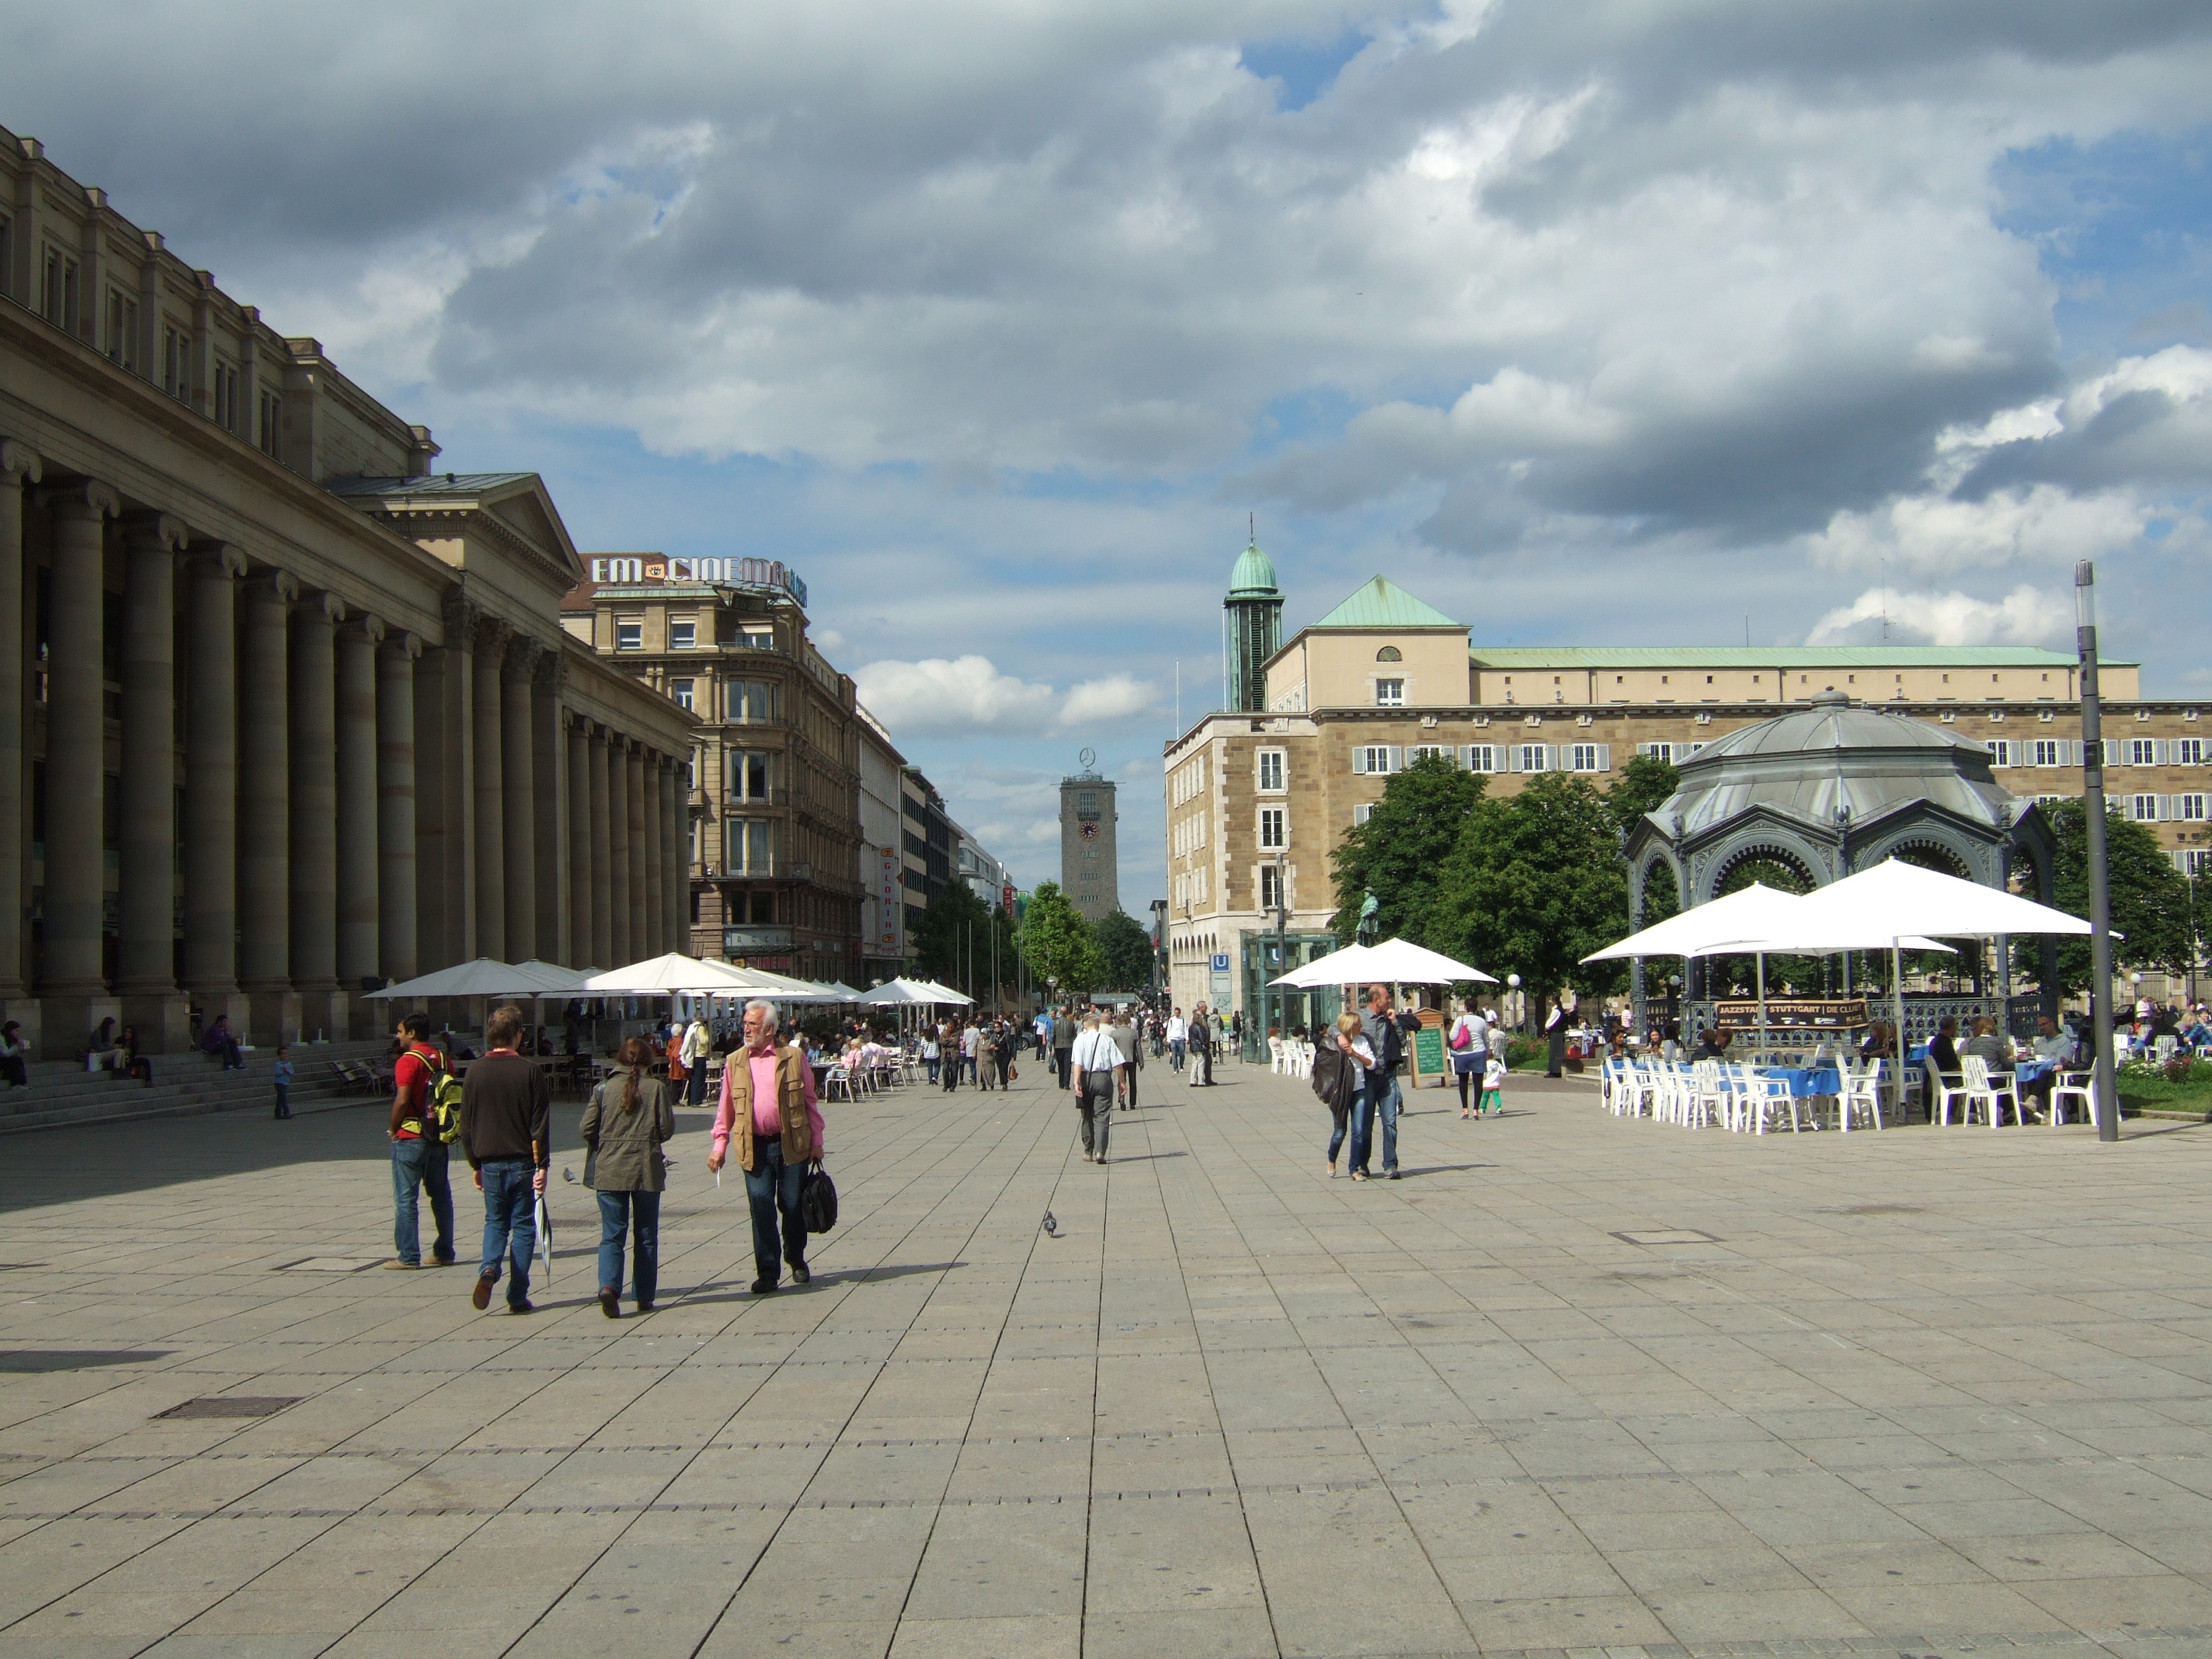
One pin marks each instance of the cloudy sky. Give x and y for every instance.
(1621, 321)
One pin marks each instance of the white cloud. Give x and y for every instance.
(2027, 615)
(938, 696)
(1935, 534)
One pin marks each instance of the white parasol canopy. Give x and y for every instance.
(666, 975)
(485, 977)
(908, 993)
(1893, 899)
(1758, 919)
(1393, 962)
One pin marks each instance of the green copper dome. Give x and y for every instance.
(1253, 578)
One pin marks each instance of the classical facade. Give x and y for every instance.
(883, 857)
(773, 827)
(1256, 802)
(283, 713)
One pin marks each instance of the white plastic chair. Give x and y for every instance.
(2074, 1086)
(1940, 1093)
(1986, 1091)
(1767, 1100)
(1276, 1062)
(835, 1078)
(1860, 1104)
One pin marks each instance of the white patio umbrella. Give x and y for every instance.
(666, 975)
(555, 980)
(485, 977)
(1393, 962)
(945, 994)
(910, 993)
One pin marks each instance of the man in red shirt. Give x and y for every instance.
(419, 1157)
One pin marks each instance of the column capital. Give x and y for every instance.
(490, 633)
(152, 530)
(460, 618)
(283, 584)
(84, 497)
(552, 671)
(218, 559)
(19, 464)
(371, 627)
(403, 644)
(328, 605)
(520, 661)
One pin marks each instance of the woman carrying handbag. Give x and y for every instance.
(1470, 1050)
(628, 1119)
(1340, 1074)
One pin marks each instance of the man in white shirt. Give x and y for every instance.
(1178, 1034)
(1092, 1080)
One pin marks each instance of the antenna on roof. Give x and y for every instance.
(1252, 528)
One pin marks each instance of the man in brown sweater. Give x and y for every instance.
(506, 1130)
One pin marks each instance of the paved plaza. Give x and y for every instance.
(1917, 1392)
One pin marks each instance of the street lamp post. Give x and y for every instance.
(2100, 896)
(1282, 965)
(1520, 1003)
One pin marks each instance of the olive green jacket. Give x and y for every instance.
(623, 1148)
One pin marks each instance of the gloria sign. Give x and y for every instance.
(636, 569)
(891, 904)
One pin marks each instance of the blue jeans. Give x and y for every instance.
(421, 1164)
(639, 1214)
(510, 1223)
(772, 1186)
(1381, 1093)
(1337, 1132)
(1175, 1050)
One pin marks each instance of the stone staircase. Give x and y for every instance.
(64, 1092)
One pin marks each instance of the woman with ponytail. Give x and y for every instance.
(629, 1117)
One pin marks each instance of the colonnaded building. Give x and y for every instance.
(284, 711)
(1321, 722)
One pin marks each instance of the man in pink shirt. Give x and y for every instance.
(769, 1110)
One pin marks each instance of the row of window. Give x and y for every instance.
(1385, 757)
(2118, 752)
(743, 700)
(1270, 888)
(61, 302)
(684, 636)
(1189, 781)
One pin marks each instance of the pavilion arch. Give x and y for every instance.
(1789, 851)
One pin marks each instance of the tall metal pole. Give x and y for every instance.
(1282, 964)
(2100, 896)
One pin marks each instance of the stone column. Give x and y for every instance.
(618, 852)
(396, 898)
(264, 797)
(18, 465)
(489, 789)
(677, 820)
(656, 859)
(549, 817)
(634, 886)
(314, 883)
(73, 989)
(211, 788)
(146, 944)
(602, 953)
(360, 908)
(583, 949)
(518, 799)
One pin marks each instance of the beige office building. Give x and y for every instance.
(774, 848)
(283, 711)
(1385, 677)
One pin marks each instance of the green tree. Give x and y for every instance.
(1535, 883)
(1398, 853)
(2149, 899)
(1644, 783)
(1057, 942)
(1126, 949)
(954, 917)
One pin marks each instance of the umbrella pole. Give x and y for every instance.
(1760, 971)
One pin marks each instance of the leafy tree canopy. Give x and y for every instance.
(940, 944)
(2149, 897)
(1644, 783)
(1057, 942)
(1400, 852)
(1126, 949)
(1535, 883)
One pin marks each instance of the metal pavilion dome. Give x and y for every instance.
(1253, 575)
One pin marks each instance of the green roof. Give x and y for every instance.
(1380, 605)
(1254, 576)
(1769, 656)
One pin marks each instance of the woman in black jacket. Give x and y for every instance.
(1339, 1072)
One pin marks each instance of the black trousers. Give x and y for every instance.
(1061, 1059)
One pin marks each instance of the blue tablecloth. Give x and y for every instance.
(2026, 1071)
(1804, 1080)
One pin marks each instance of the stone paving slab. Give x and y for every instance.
(1919, 1393)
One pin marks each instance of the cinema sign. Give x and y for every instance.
(640, 569)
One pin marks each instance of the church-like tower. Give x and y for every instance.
(1252, 631)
